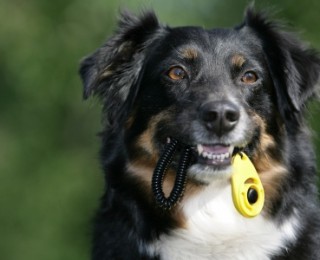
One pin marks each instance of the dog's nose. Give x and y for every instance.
(220, 116)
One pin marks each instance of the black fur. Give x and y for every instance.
(129, 74)
(293, 66)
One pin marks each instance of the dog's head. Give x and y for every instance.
(217, 90)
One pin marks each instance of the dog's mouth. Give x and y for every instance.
(216, 155)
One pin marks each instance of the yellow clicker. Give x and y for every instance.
(247, 189)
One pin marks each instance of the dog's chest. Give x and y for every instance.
(215, 230)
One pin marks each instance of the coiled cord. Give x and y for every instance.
(161, 168)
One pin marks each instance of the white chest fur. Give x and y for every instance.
(215, 230)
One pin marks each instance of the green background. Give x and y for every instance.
(50, 178)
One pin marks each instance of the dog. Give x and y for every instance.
(218, 92)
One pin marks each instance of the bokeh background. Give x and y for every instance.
(50, 178)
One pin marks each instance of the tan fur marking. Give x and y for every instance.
(143, 169)
(190, 54)
(145, 140)
(107, 72)
(144, 166)
(271, 171)
(238, 60)
(129, 122)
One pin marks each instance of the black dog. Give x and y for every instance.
(219, 93)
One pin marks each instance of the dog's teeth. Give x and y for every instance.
(212, 156)
(200, 149)
(231, 148)
(226, 155)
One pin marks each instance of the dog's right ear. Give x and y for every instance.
(112, 72)
(294, 67)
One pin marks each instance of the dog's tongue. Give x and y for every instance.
(215, 149)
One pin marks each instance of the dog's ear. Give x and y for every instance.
(112, 72)
(294, 67)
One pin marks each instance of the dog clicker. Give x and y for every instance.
(247, 189)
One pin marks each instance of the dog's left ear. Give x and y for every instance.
(112, 72)
(294, 67)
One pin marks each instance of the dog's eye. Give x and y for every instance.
(249, 77)
(177, 73)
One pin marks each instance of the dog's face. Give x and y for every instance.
(206, 89)
(218, 91)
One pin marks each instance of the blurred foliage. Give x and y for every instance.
(50, 179)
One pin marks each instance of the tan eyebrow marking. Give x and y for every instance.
(189, 53)
(238, 60)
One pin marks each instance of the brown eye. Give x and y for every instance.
(177, 73)
(249, 77)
